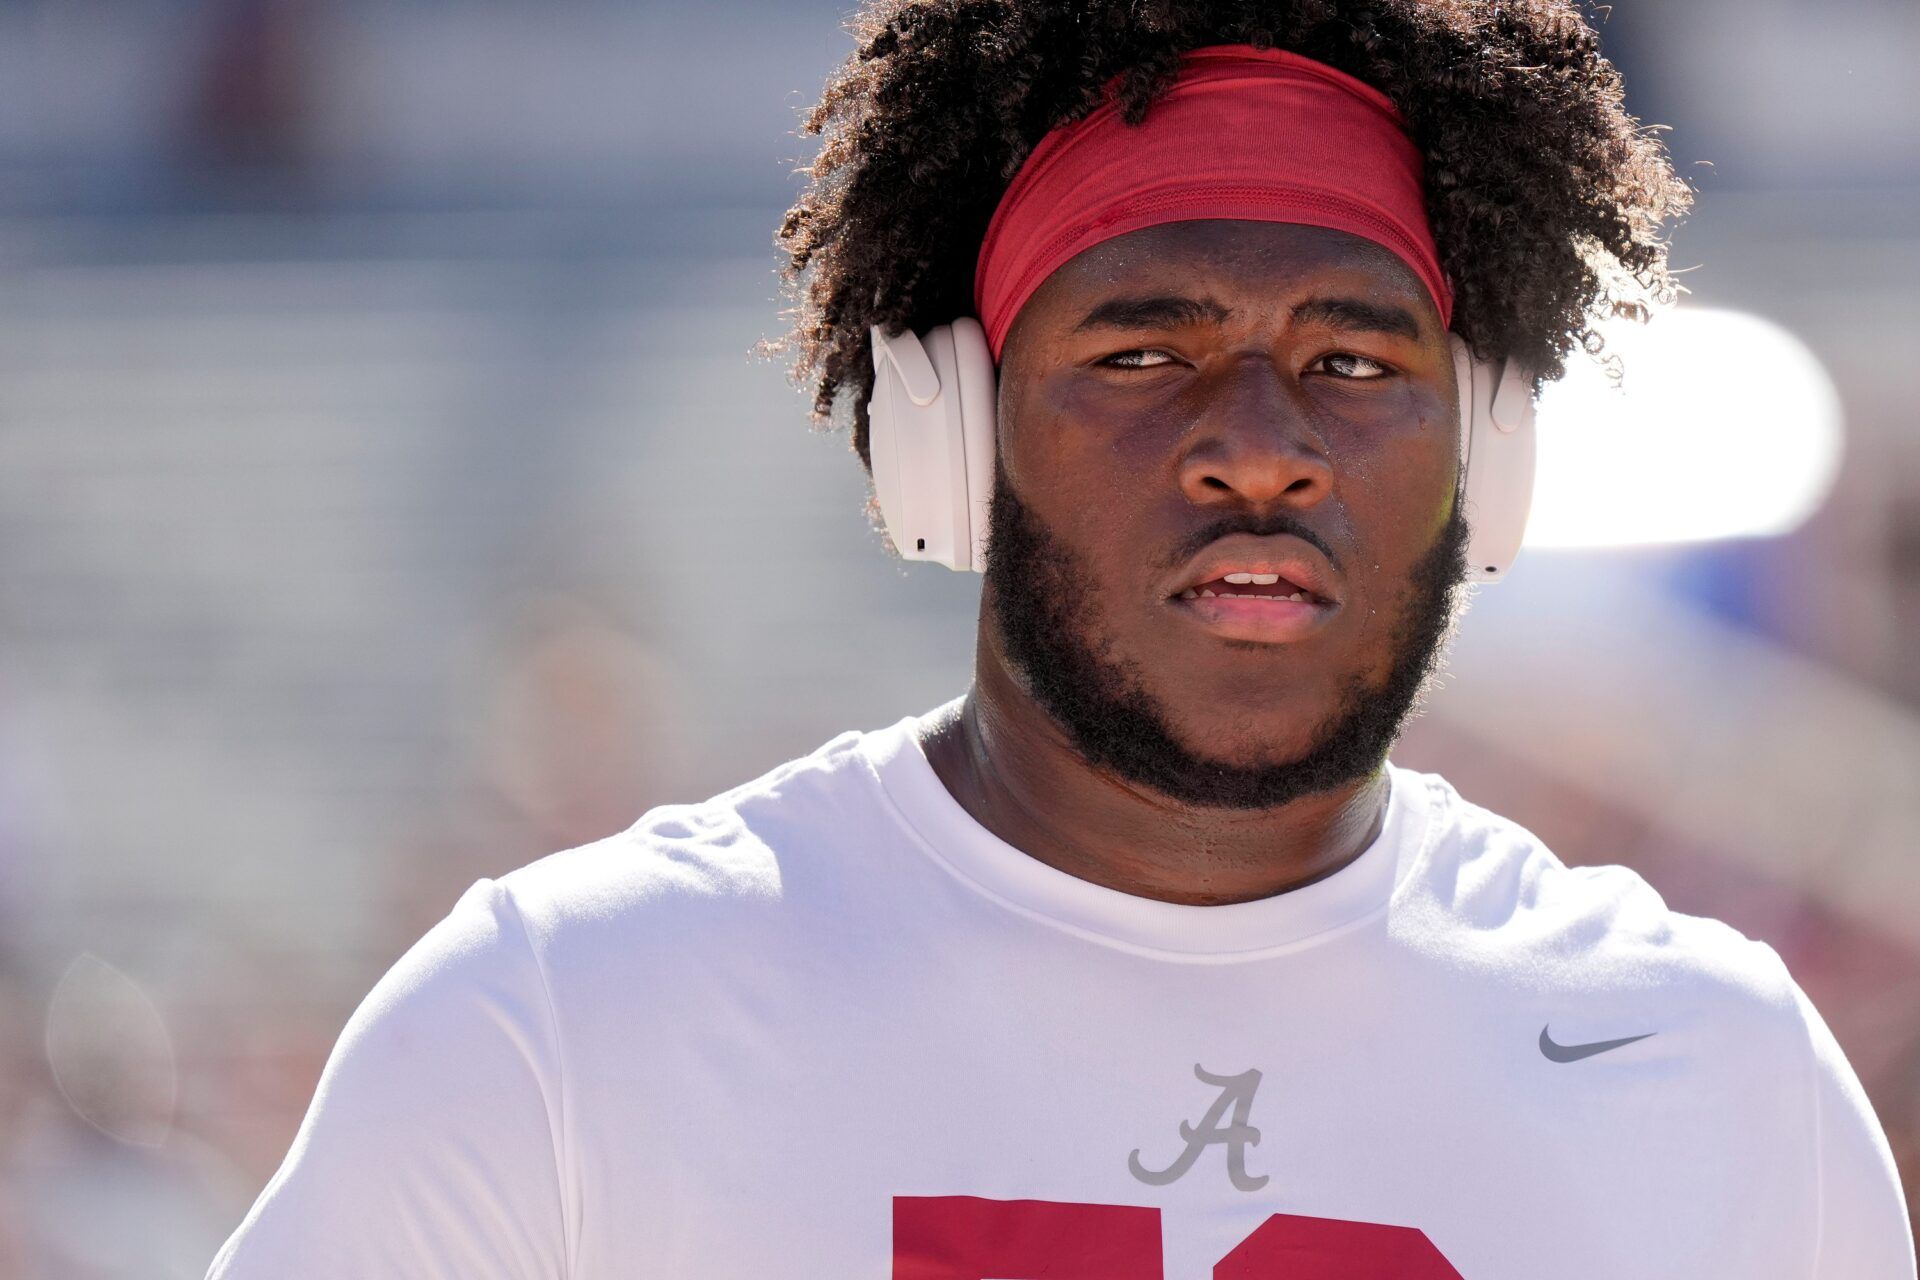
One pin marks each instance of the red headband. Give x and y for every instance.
(1245, 133)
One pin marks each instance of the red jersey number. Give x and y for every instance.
(967, 1238)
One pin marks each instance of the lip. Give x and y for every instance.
(1262, 621)
(1294, 559)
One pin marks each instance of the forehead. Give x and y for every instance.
(1237, 261)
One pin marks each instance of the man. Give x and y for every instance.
(1139, 960)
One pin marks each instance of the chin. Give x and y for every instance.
(1250, 737)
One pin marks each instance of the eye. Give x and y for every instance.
(1351, 368)
(1140, 358)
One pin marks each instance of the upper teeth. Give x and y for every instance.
(1263, 579)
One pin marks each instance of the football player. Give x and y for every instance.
(1208, 329)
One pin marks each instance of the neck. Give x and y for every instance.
(1015, 772)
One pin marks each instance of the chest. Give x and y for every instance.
(1173, 1128)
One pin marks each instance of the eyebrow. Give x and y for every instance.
(1357, 313)
(1164, 312)
(1169, 311)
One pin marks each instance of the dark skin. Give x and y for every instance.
(1125, 439)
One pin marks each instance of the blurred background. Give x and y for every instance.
(377, 414)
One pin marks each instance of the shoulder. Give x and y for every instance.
(1499, 922)
(1489, 896)
(686, 872)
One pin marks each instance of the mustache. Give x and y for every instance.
(1280, 522)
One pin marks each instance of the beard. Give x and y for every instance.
(1035, 593)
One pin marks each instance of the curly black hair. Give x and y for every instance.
(1547, 200)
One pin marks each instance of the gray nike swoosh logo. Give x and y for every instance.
(1575, 1052)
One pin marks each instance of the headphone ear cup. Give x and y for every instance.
(930, 424)
(892, 418)
(979, 389)
(1496, 459)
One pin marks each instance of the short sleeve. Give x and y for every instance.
(432, 1146)
(1863, 1231)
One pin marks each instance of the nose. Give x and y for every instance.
(1255, 444)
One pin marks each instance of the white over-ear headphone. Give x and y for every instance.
(930, 433)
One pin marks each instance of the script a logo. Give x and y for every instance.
(1236, 1094)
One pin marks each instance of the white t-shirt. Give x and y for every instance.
(827, 1026)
